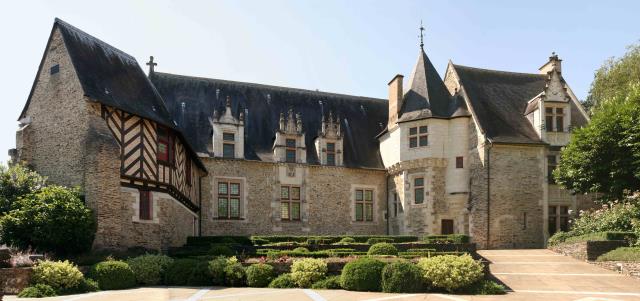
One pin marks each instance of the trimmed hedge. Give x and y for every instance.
(382, 248)
(564, 237)
(260, 275)
(363, 274)
(450, 239)
(113, 275)
(327, 239)
(208, 240)
(402, 277)
(188, 272)
(622, 254)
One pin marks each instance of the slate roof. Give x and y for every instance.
(499, 99)
(361, 117)
(112, 77)
(426, 96)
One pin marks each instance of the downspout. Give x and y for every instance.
(489, 191)
(200, 206)
(386, 187)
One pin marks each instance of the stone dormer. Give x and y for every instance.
(228, 133)
(329, 142)
(289, 145)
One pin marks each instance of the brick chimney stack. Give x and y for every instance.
(395, 100)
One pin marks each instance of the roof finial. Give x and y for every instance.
(421, 35)
(151, 64)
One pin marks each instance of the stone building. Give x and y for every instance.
(160, 157)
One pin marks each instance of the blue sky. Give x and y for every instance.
(352, 47)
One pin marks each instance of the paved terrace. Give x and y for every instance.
(530, 274)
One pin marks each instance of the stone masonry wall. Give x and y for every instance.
(327, 193)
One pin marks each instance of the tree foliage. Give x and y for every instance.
(615, 78)
(17, 181)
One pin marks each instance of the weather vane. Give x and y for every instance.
(421, 35)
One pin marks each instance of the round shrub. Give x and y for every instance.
(330, 283)
(301, 249)
(37, 291)
(260, 275)
(348, 240)
(113, 275)
(53, 219)
(234, 273)
(451, 272)
(59, 275)
(149, 269)
(383, 248)
(401, 277)
(187, 272)
(200, 274)
(485, 287)
(85, 286)
(283, 281)
(307, 271)
(363, 274)
(216, 270)
(221, 250)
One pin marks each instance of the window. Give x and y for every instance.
(364, 205)
(551, 165)
(418, 190)
(291, 150)
(290, 203)
(418, 136)
(395, 204)
(165, 146)
(459, 162)
(331, 154)
(228, 199)
(54, 69)
(446, 226)
(558, 219)
(145, 205)
(554, 116)
(228, 146)
(524, 221)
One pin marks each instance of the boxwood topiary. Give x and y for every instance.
(113, 275)
(260, 275)
(216, 269)
(60, 275)
(331, 282)
(401, 277)
(383, 248)
(234, 273)
(307, 271)
(283, 281)
(37, 291)
(149, 269)
(375, 240)
(221, 250)
(362, 274)
(451, 272)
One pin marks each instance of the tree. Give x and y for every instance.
(54, 219)
(16, 181)
(604, 156)
(615, 78)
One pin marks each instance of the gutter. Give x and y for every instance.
(489, 190)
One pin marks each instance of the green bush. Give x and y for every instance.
(283, 281)
(216, 269)
(37, 291)
(223, 239)
(447, 239)
(401, 277)
(85, 286)
(376, 240)
(329, 283)
(558, 238)
(570, 238)
(484, 287)
(383, 248)
(347, 240)
(621, 254)
(300, 249)
(113, 275)
(59, 275)
(234, 273)
(149, 269)
(260, 275)
(307, 271)
(17, 181)
(188, 271)
(53, 219)
(221, 250)
(451, 272)
(364, 274)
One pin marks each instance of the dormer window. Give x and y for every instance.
(165, 146)
(331, 154)
(291, 150)
(554, 119)
(289, 145)
(418, 136)
(329, 142)
(228, 147)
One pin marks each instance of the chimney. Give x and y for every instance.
(395, 100)
(554, 63)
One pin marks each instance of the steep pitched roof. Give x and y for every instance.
(361, 117)
(499, 100)
(112, 77)
(427, 95)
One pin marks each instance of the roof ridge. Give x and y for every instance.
(498, 71)
(97, 40)
(275, 87)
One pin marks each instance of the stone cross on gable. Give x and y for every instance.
(151, 64)
(421, 35)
